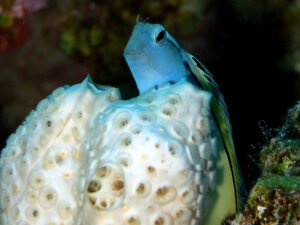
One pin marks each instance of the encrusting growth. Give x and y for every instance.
(85, 158)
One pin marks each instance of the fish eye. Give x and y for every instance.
(161, 36)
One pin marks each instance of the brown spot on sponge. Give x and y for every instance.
(165, 194)
(94, 186)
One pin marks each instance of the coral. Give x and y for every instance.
(275, 198)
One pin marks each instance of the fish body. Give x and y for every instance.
(155, 58)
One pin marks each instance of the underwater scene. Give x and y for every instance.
(170, 112)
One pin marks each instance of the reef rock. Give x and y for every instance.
(275, 199)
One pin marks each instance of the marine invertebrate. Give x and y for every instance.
(81, 156)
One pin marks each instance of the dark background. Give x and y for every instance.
(251, 47)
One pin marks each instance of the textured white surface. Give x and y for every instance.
(84, 158)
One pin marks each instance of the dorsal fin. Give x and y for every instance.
(205, 81)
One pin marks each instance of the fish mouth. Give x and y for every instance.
(132, 52)
(135, 53)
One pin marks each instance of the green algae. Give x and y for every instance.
(281, 156)
(6, 20)
(285, 183)
(275, 198)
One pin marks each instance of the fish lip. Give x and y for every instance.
(133, 52)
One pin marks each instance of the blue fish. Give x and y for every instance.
(155, 58)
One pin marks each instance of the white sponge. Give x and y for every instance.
(84, 158)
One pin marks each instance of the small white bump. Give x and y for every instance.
(101, 128)
(193, 154)
(151, 170)
(112, 95)
(212, 180)
(188, 196)
(198, 167)
(173, 99)
(194, 222)
(16, 186)
(94, 186)
(32, 124)
(214, 147)
(205, 150)
(31, 197)
(49, 163)
(136, 130)
(142, 189)
(76, 134)
(125, 160)
(175, 148)
(165, 194)
(125, 140)
(183, 215)
(199, 177)
(122, 120)
(12, 152)
(168, 111)
(15, 213)
(163, 219)
(103, 172)
(11, 140)
(146, 99)
(146, 117)
(65, 210)
(197, 137)
(22, 164)
(105, 202)
(6, 174)
(132, 220)
(48, 197)
(200, 200)
(43, 106)
(20, 131)
(24, 143)
(33, 213)
(180, 130)
(210, 165)
(117, 186)
(78, 115)
(203, 187)
(48, 125)
(205, 110)
(43, 141)
(58, 93)
(198, 213)
(4, 200)
(203, 125)
(75, 153)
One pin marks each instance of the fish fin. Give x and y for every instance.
(205, 81)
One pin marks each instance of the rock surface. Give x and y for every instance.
(275, 199)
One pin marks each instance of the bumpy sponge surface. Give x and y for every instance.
(84, 158)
